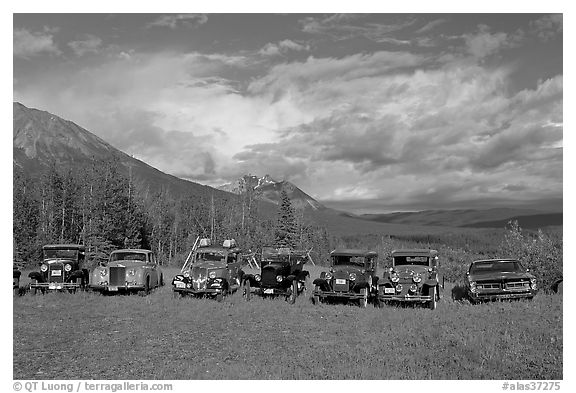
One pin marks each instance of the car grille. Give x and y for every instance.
(341, 287)
(489, 286)
(117, 275)
(58, 278)
(268, 277)
(199, 278)
(517, 285)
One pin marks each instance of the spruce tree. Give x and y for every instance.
(286, 230)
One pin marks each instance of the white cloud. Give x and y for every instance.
(181, 20)
(28, 44)
(91, 44)
(282, 47)
(485, 43)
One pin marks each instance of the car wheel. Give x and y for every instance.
(292, 297)
(364, 300)
(247, 295)
(146, 289)
(316, 298)
(433, 302)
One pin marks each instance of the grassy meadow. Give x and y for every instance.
(89, 336)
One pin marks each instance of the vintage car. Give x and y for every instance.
(128, 270)
(61, 269)
(212, 271)
(281, 274)
(414, 276)
(352, 276)
(494, 279)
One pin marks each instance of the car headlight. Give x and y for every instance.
(132, 272)
(257, 278)
(67, 267)
(394, 277)
(328, 276)
(417, 278)
(413, 288)
(473, 286)
(212, 275)
(533, 283)
(103, 272)
(186, 274)
(352, 276)
(43, 268)
(279, 278)
(399, 288)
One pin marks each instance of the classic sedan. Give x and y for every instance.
(494, 279)
(130, 270)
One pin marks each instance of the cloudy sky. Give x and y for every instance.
(365, 112)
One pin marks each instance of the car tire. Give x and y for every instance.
(161, 282)
(146, 289)
(316, 298)
(219, 297)
(247, 295)
(292, 297)
(432, 304)
(364, 301)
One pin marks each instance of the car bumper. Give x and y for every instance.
(198, 292)
(341, 295)
(405, 298)
(116, 288)
(54, 285)
(501, 295)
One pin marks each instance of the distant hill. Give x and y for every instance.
(527, 222)
(465, 218)
(41, 138)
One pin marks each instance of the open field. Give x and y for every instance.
(89, 336)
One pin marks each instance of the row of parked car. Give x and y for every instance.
(414, 275)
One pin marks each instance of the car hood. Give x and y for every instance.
(126, 264)
(210, 264)
(345, 270)
(499, 276)
(59, 260)
(405, 270)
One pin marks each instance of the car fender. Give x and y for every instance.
(250, 278)
(16, 274)
(302, 275)
(77, 274)
(36, 276)
(322, 283)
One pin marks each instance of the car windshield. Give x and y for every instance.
(127, 256)
(210, 256)
(407, 260)
(496, 266)
(68, 254)
(348, 260)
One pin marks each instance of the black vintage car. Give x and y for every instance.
(414, 277)
(61, 269)
(352, 276)
(281, 274)
(495, 279)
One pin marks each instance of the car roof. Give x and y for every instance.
(353, 252)
(497, 260)
(135, 250)
(80, 247)
(414, 252)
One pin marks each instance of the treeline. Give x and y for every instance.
(103, 207)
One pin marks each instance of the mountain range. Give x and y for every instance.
(41, 139)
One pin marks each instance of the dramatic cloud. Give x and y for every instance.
(548, 26)
(28, 44)
(271, 49)
(182, 20)
(451, 124)
(91, 44)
